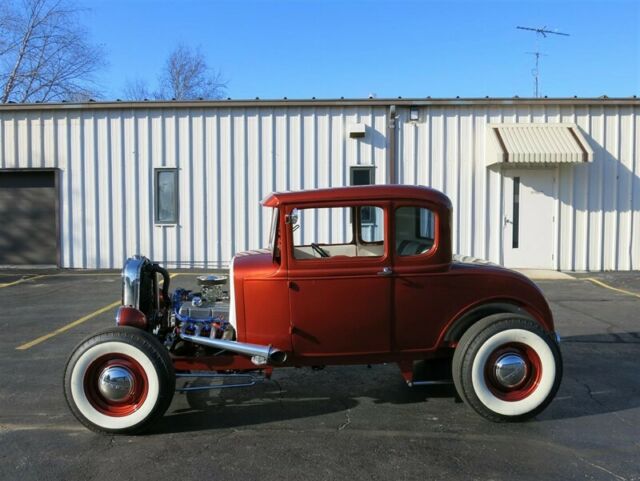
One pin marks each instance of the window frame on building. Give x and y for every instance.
(365, 215)
(157, 197)
(360, 168)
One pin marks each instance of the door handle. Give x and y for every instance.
(507, 220)
(386, 271)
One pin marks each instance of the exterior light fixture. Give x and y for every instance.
(357, 130)
(414, 114)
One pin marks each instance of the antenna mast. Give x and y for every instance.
(540, 32)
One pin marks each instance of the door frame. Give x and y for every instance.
(56, 186)
(338, 269)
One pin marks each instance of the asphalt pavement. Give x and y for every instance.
(349, 422)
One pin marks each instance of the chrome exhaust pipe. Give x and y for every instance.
(259, 354)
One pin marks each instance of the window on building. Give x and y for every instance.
(415, 230)
(166, 196)
(363, 175)
(516, 213)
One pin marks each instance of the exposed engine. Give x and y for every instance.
(187, 322)
(148, 304)
(203, 313)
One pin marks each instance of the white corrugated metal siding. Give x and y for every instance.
(231, 157)
(228, 160)
(598, 203)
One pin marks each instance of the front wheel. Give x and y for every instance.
(507, 368)
(119, 380)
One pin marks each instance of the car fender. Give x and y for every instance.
(463, 321)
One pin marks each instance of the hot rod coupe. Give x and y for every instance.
(353, 275)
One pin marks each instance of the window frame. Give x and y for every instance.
(436, 232)
(340, 261)
(300, 215)
(369, 168)
(156, 195)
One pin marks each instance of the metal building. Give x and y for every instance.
(547, 183)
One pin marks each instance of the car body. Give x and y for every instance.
(353, 275)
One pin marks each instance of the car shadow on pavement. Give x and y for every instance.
(600, 377)
(245, 407)
(300, 393)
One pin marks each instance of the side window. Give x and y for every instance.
(415, 230)
(333, 232)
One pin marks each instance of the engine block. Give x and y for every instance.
(195, 315)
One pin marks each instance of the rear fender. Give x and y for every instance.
(458, 327)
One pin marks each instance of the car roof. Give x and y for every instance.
(363, 192)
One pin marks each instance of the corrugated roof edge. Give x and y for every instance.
(164, 104)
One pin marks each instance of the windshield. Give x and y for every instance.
(273, 232)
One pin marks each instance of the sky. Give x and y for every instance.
(353, 49)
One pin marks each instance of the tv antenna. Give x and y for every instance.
(543, 31)
(540, 32)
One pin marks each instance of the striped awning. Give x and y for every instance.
(537, 144)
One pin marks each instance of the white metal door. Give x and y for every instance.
(528, 222)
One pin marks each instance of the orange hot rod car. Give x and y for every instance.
(355, 275)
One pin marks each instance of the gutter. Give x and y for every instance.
(229, 103)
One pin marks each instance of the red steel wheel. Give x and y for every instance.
(513, 371)
(116, 384)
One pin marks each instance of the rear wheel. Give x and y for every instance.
(119, 380)
(507, 368)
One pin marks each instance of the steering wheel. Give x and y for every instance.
(319, 250)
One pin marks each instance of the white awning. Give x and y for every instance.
(536, 144)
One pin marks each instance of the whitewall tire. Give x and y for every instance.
(507, 367)
(119, 380)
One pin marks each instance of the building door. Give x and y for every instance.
(529, 223)
(28, 210)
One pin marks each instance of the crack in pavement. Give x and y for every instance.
(610, 325)
(601, 468)
(347, 422)
(590, 393)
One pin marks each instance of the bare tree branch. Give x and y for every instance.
(137, 89)
(187, 76)
(44, 55)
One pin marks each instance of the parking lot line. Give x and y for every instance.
(66, 327)
(73, 324)
(20, 281)
(607, 286)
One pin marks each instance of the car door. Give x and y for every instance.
(422, 288)
(340, 301)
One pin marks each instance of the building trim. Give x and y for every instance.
(400, 102)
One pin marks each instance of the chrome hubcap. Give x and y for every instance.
(116, 383)
(510, 370)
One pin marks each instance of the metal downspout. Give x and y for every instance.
(391, 145)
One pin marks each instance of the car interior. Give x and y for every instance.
(314, 237)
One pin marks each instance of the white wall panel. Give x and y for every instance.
(229, 158)
(597, 204)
